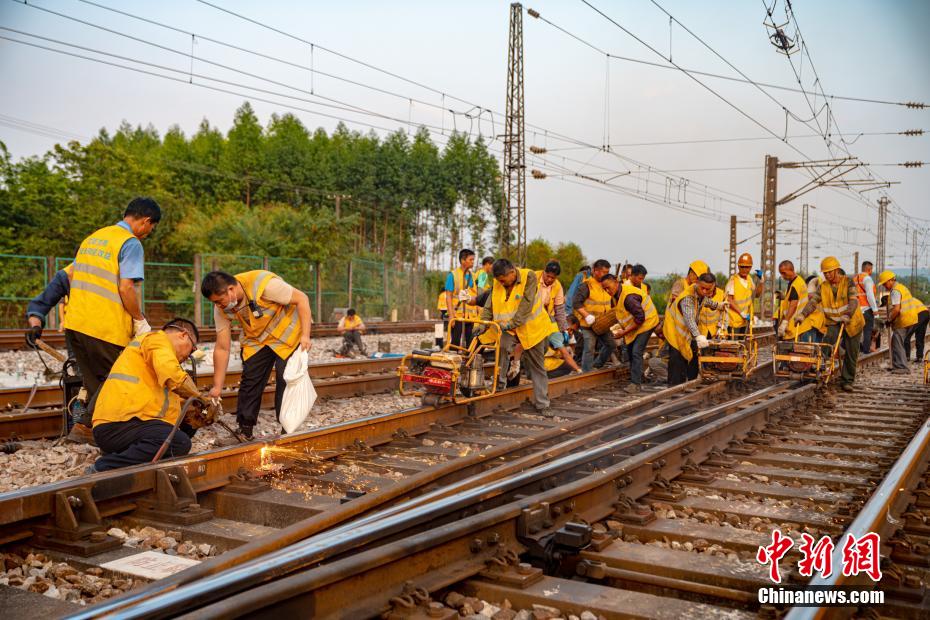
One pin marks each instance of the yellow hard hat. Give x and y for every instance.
(829, 264)
(885, 276)
(699, 267)
(745, 260)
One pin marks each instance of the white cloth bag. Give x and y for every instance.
(299, 394)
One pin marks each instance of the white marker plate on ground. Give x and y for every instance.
(150, 565)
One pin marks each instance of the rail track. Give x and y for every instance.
(256, 498)
(14, 339)
(43, 418)
(660, 521)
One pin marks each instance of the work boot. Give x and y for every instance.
(81, 433)
(633, 388)
(901, 371)
(90, 470)
(244, 431)
(847, 387)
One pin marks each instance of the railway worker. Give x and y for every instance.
(104, 309)
(514, 305)
(795, 299)
(624, 275)
(818, 321)
(590, 301)
(351, 327)
(39, 306)
(441, 306)
(903, 311)
(141, 399)
(836, 296)
(584, 272)
(559, 362)
(484, 280)
(638, 318)
(681, 331)
(695, 269)
(460, 293)
(866, 294)
(741, 291)
(920, 333)
(709, 319)
(275, 319)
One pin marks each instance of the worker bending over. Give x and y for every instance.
(592, 300)
(837, 298)
(695, 269)
(104, 308)
(681, 331)
(920, 333)
(275, 319)
(866, 293)
(903, 311)
(514, 305)
(460, 294)
(795, 300)
(351, 328)
(140, 401)
(741, 291)
(638, 318)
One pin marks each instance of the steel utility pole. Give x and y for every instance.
(856, 262)
(513, 213)
(732, 244)
(805, 239)
(914, 260)
(883, 203)
(769, 226)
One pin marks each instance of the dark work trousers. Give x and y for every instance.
(137, 441)
(919, 334)
(94, 358)
(851, 345)
(637, 348)
(352, 338)
(867, 330)
(255, 373)
(680, 369)
(457, 332)
(591, 340)
(739, 331)
(561, 371)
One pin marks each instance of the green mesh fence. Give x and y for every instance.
(21, 279)
(368, 296)
(168, 291)
(334, 292)
(298, 273)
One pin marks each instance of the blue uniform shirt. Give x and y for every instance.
(450, 281)
(131, 257)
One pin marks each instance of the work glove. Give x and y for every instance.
(589, 320)
(140, 326)
(702, 342)
(782, 328)
(464, 295)
(565, 338)
(758, 273)
(514, 370)
(33, 334)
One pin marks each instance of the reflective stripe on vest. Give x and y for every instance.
(504, 307)
(598, 301)
(95, 307)
(794, 330)
(278, 326)
(834, 306)
(673, 328)
(708, 319)
(862, 294)
(910, 308)
(626, 320)
(742, 300)
(458, 282)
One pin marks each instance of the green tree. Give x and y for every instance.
(538, 253)
(571, 259)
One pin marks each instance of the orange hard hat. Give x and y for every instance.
(745, 260)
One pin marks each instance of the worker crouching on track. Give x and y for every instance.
(903, 311)
(351, 327)
(638, 318)
(681, 331)
(140, 401)
(514, 305)
(275, 319)
(590, 301)
(840, 304)
(741, 291)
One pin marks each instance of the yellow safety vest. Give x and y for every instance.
(674, 329)
(137, 384)
(795, 330)
(598, 301)
(709, 320)
(279, 326)
(910, 308)
(742, 298)
(458, 279)
(537, 327)
(552, 360)
(94, 305)
(626, 319)
(834, 306)
(554, 292)
(352, 322)
(441, 301)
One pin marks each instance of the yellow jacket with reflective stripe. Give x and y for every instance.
(552, 360)
(910, 308)
(673, 327)
(834, 306)
(140, 383)
(441, 301)
(795, 330)
(598, 301)
(626, 319)
(537, 327)
(742, 298)
(94, 305)
(279, 326)
(709, 320)
(458, 277)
